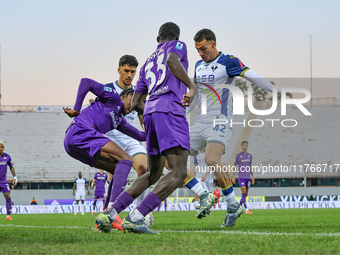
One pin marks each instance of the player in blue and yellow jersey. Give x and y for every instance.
(218, 68)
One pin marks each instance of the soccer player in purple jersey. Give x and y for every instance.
(100, 178)
(244, 160)
(85, 139)
(164, 78)
(5, 160)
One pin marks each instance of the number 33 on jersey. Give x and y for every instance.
(156, 80)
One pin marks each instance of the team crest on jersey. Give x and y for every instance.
(107, 89)
(118, 107)
(213, 68)
(179, 46)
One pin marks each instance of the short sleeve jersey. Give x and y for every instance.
(100, 181)
(155, 79)
(81, 183)
(222, 70)
(243, 161)
(5, 160)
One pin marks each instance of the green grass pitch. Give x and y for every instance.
(290, 231)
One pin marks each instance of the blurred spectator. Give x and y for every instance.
(33, 201)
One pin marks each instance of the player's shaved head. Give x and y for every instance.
(206, 34)
(169, 31)
(128, 60)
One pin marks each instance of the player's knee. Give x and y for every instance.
(180, 176)
(141, 169)
(211, 161)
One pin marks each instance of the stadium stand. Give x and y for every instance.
(35, 142)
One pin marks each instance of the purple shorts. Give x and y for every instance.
(82, 143)
(165, 131)
(99, 194)
(244, 182)
(4, 187)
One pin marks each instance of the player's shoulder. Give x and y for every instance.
(225, 58)
(198, 63)
(175, 46)
(5, 155)
(110, 87)
(118, 88)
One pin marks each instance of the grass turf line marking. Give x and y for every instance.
(192, 231)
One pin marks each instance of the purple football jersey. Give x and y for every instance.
(5, 160)
(105, 113)
(155, 79)
(243, 161)
(100, 181)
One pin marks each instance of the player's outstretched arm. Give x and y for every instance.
(85, 86)
(131, 131)
(261, 82)
(138, 102)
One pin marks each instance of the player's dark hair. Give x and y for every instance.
(168, 31)
(244, 142)
(206, 34)
(127, 92)
(128, 60)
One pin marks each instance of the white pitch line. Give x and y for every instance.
(231, 232)
(252, 233)
(24, 226)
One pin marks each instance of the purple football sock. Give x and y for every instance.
(123, 201)
(149, 203)
(120, 178)
(8, 205)
(107, 199)
(243, 200)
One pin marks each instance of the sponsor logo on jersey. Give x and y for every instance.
(213, 68)
(107, 89)
(179, 46)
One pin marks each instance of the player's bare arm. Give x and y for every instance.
(252, 175)
(15, 179)
(138, 103)
(93, 182)
(87, 187)
(176, 68)
(74, 188)
(233, 180)
(141, 121)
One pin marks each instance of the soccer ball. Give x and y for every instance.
(148, 220)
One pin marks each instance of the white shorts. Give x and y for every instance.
(207, 184)
(80, 196)
(203, 133)
(128, 144)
